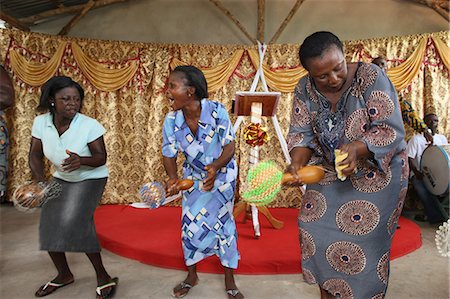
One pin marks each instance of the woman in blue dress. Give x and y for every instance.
(346, 225)
(201, 129)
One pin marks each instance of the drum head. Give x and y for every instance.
(435, 166)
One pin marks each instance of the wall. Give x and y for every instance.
(201, 22)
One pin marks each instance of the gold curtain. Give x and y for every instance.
(102, 77)
(402, 75)
(283, 80)
(36, 73)
(216, 76)
(443, 50)
(133, 110)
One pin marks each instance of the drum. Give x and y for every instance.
(435, 166)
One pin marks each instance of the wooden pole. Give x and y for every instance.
(66, 10)
(440, 6)
(58, 3)
(13, 21)
(286, 21)
(235, 21)
(78, 17)
(261, 19)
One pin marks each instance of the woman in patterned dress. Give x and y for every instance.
(346, 226)
(202, 131)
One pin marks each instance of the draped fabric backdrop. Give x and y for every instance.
(125, 83)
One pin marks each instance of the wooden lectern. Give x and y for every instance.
(255, 105)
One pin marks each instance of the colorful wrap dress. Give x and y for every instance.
(207, 223)
(346, 227)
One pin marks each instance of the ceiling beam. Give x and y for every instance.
(286, 21)
(13, 21)
(219, 5)
(58, 3)
(65, 10)
(261, 19)
(440, 6)
(77, 18)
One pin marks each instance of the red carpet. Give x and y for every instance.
(153, 237)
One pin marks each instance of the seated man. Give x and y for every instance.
(434, 212)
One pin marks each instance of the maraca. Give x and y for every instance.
(266, 178)
(154, 193)
(309, 174)
(31, 195)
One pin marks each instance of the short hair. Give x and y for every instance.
(315, 44)
(194, 78)
(428, 115)
(377, 60)
(52, 86)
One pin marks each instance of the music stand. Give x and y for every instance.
(255, 105)
(244, 100)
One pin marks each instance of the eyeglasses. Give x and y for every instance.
(67, 100)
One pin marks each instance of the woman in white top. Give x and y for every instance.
(74, 144)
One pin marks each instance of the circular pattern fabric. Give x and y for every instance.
(379, 296)
(379, 105)
(365, 77)
(346, 257)
(382, 135)
(330, 175)
(339, 288)
(383, 268)
(373, 181)
(405, 166)
(300, 114)
(391, 227)
(307, 244)
(310, 91)
(308, 276)
(358, 217)
(356, 125)
(293, 139)
(313, 206)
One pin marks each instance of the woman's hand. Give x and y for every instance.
(208, 183)
(293, 170)
(172, 187)
(354, 149)
(72, 163)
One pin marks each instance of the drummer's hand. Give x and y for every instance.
(351, 149)
(418, 174)
(71, 163)
(208, 183)
(171, 187)
(428, 136)
(293, 170)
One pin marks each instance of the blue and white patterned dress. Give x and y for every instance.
(207, 223)
(346, 227)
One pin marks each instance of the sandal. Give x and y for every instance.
(49, 288)
(182, 285)
(112, 284)
(233, 293)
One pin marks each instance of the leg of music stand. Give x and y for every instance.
(273, 221)
(255, 221)
(239, 208)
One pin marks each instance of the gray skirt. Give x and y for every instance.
(67, 222)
